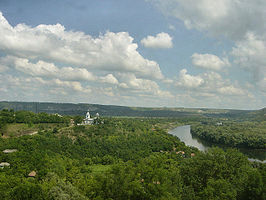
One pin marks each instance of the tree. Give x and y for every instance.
(218, 190)
(27, 191)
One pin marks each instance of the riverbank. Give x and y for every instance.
(251, 135)
(168, 126)
(184, 134)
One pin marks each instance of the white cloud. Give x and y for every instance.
(262, 85)
(231, 90)
(45, 69)
(250, 54)
(107, 91)
(108, 52)
(161, 40)
(220, 17)
(241, 21)
(109, 78)
(3, 68)
(74, 85)
(208, 84)
(189, 81)
(76, 74)
(132, 84)
(168, 81)
(57, 84)
(40, 68)
(68, 66)
(26, 85)
(209, 61)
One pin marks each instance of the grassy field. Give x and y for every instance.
(168, 125)
(19, 129)
(15, 130)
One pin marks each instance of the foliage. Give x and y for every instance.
(26, 122)
(236, 134)
(124, 158)
(112, 110)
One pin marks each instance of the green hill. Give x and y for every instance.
(113, 110)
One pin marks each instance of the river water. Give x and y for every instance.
(184, 134)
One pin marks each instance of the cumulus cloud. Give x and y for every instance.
(109, 78)
(208, 84)
(231, 90)
(35, 84)
(168, 81)
(262, 85)
(74, 85)
(71, 77)
(108, 52)
(161, 40)
(49, 63)
(242, 22)
(209, 61)
(49, 60)
(57, 84)
(3, 68)
(220, 17)
(46, 69)
(189, 81)
(249, 54)
(130, 83)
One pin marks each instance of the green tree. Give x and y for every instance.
(218, 190)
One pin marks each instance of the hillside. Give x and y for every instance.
(122, 159)
(113, 110)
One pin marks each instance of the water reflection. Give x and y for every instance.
(183, 133)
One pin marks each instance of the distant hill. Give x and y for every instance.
(259, 115)
(113, 110)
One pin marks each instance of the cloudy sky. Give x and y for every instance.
(174, 53)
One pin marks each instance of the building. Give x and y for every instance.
(32, 174)
(88, 120)
(4, 164)
(10, 150)
(56, 114)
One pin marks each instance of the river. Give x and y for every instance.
(184, 134)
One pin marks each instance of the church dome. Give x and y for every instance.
(88, 116)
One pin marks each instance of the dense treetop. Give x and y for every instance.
(123, 158)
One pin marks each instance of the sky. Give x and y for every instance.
(148, 53)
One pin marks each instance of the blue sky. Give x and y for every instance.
(174, 53)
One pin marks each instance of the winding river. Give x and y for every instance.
(184, 134)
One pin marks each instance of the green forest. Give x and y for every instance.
(120, 158)
(248, 134)
(113, 110)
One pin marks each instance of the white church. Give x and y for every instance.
(88, 120)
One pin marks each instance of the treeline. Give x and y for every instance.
(235, 134)
(25, 122)
(104, 110)
(123, 159)
(112, 110)
(10, 116)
